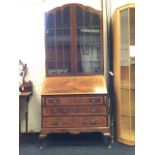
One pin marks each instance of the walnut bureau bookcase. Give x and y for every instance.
(124, 72)
(74, 94)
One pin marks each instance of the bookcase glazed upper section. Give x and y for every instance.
(73, 41)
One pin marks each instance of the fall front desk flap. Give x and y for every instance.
(74, 85)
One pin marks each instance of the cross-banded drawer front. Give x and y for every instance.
(60, 101)
(74, 110)
(78, 100)
(50, 122)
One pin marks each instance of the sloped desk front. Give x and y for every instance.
(75, 104)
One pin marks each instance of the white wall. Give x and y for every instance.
(32, 52)
(52, 4)
(31, 47)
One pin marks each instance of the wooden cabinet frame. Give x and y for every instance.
(74, 99)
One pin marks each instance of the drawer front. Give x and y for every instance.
(52, 101)
(78, 100)
(74, 110)
(83, 121)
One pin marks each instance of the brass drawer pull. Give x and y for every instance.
(105, 98)
(55, 110)
(93, 110)
(55, 101)
(93, 122)
(55, 122)
(93, 101)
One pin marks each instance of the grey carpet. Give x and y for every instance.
(66, 144)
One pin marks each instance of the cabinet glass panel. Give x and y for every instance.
(95, 21)
(72, 38)
(132, 72)
(125, 92)
(58, 68)
(67, 45)
(132, 26)
(66, 19)
(58, 19)
(50, 24)
(80, 17)
(50, 32)
(87, 20)
(58, 43)
(88, 45)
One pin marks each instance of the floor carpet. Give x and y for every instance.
(66, 144)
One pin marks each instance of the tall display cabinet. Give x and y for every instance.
(74, 93)
(124, 72)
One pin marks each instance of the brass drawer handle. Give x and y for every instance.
(55, 110)
(93, 122)
(105, 98)
(54, 101)
(93, 101)
(93, 110)
(55, 122)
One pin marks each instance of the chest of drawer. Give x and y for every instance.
(74, 110)
(74, 100)
(83, 121)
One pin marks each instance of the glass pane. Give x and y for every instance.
(132, 26)
(125, 127)
(124, 49)
(87, 19)
(59, 44)
(58, 68)
(79, 17)
(60, 57)
(66, 17)
(52, 68)
(50, 39)
(132, 100)
(50, 22)
(125, 110)
(67, 45)
(58, 19)
(88, 51)
(95, 20)
(67, 67)
(127, 105)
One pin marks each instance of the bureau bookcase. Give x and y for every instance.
(74, 94)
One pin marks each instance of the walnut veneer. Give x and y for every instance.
(75, 104)
(74, 94)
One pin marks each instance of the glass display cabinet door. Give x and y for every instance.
(125, 106)
(127, 113)
(88, 42)
(58, 43)
(132, 71)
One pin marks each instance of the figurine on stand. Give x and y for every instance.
(23, 85)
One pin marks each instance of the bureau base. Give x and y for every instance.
(103, 130)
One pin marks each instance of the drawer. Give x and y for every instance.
(83, 121)
(52, 101)
(74, 110)
(75, 100)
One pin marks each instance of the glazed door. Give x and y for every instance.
(88, 45)
(58, 42)
(127, 68)
(73, 41)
